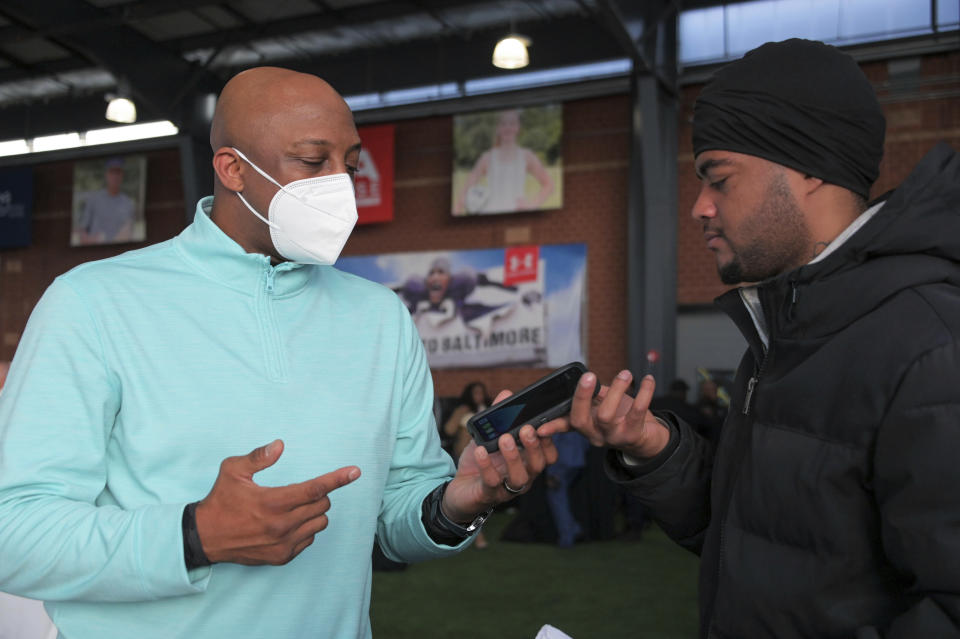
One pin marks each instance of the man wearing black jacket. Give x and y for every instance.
(831, 506)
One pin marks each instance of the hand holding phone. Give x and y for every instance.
(546, 399)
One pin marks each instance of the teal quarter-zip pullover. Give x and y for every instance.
(137, 375)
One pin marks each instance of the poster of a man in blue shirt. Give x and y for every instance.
(108, 201)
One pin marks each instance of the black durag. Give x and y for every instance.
(799, 103)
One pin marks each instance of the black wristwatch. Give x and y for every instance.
(441, 528)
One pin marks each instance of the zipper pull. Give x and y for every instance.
(270, 274)
(751, 383)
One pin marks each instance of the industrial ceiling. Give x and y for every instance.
(59, 58)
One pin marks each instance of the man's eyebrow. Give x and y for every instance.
(312, 141)
(708, 165)
(321, 142)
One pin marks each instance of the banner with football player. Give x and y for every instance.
(515, 306)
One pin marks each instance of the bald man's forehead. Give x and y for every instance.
(313, 124)
(266, 105)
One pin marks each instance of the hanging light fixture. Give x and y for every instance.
(120, 108)
(511, 52)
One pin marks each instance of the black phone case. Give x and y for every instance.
(536, 421)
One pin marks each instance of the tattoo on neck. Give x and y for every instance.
(818, 248)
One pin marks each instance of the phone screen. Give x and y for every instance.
(521, 408)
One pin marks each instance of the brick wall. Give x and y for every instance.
(25, 273)
(920, 110)
(595, 157)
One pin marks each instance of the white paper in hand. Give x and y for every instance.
(549, 632)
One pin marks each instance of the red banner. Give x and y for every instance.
(374, 180)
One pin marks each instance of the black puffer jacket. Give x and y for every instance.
(831, 507)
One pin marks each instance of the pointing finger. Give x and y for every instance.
(338, 478)
(294, 495)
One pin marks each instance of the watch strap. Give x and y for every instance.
(441, 528)
(193, 555)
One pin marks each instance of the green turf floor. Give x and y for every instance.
(642, 589)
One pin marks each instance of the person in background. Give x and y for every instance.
(829, 507)
(571, 459)
(675, 400)
(711, 412)
(473, 399)
(505, 167)
(127, 501)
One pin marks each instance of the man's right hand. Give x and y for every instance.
(243, 523)
(613, 418)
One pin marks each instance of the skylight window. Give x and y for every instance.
(94, 137)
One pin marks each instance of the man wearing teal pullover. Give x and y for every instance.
(138, 377)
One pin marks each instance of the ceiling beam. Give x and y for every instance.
(647, 32)
(443, 60)
(156, 76)
(355, 17)
(39, 70)
(109, 16)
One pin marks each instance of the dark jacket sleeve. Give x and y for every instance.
(677, 491)
(917, 485)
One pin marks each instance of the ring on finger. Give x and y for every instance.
(510, 489)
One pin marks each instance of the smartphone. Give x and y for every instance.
(545, 399)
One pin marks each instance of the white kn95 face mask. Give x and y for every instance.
(310, 219)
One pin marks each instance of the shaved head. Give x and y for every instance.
(292, 126)
(254, 102)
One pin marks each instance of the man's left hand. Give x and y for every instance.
(482, 477)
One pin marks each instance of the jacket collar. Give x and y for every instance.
(751, 295)
(217, 256)
(913, 239)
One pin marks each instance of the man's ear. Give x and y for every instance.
(811, 184)
(226, 164)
